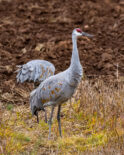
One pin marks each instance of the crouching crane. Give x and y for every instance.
(57, 89)
(36, 71)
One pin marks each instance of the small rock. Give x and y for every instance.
(39, 47)
(86, 27)
(115, 25)
(9, 69)
(24, 50)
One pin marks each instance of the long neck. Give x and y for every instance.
(75, 56)
(75, 69)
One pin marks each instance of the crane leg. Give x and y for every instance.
(58, 118)
(50, 121)
(37, 117)
(45, 116)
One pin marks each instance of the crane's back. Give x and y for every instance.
(35, 70)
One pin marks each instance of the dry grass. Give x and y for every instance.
(92, 123)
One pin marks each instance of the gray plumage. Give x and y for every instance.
(35, 70)
(57, 89)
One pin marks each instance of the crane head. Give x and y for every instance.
(79, 32)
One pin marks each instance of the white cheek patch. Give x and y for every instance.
(78, 33)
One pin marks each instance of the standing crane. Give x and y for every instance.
(36, 71)
(57, 89)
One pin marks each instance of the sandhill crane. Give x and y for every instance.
(57, 89)
(36, 71)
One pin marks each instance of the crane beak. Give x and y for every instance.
(87, 34)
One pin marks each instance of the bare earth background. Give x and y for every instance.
(36, 29)
(40, 29)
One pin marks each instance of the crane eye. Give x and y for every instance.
(79, 30)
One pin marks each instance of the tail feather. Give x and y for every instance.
(18, 71)
(21, 74)
(35, 102)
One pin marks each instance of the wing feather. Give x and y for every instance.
(50, 90)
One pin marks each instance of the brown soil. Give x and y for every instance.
(39, 29)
